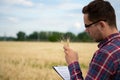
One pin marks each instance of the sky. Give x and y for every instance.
(45, 15)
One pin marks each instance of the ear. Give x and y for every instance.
(102, 26)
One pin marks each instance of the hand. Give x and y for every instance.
(70, 55)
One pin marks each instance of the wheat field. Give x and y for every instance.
(34, 60)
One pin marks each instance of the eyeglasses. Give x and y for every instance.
(86, 26)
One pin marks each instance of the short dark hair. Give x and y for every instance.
(100, 10)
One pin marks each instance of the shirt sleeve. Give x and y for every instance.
(100, 68)
(75, 71)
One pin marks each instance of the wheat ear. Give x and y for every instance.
(65, 42)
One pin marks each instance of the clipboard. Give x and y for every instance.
(62, 71)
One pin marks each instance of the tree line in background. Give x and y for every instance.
(49, 36)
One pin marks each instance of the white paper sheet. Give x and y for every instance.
(62, 71)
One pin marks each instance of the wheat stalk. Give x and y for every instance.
(66, 42)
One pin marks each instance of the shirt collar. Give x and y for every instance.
(108, 39)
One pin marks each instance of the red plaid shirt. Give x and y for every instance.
(105, 64)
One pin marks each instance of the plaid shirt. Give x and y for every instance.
(105, 64)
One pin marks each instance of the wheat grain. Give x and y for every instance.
(66, 42)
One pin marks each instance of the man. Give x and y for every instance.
(100, 24)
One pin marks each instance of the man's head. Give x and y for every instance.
(100, 14)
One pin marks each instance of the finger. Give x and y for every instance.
(66, 47)
(66, 52)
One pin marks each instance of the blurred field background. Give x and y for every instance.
(34, 60)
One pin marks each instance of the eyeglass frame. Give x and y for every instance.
(86, 26)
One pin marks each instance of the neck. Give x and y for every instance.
(110, 32)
